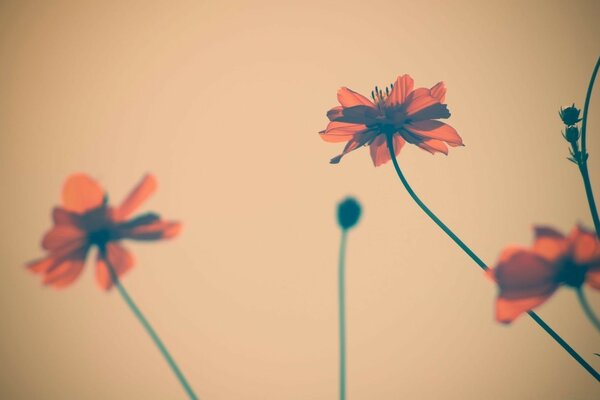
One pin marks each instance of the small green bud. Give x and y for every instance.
(572, 134)
(348, 213)
(569, 115)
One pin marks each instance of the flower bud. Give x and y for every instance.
(348, 213)
(572, 134)
(569, 115)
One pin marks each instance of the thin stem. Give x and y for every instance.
(586, 106)
(481, 264)
(587, 309)
(584, 156)
(342, 312)
(163, 350)
(585, 175)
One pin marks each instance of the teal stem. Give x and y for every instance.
(584, 156)
(481, 264)
(342, 312)
(587, 309)
(151, 332)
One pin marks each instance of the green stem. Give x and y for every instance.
(481, 264)
(587, 309)
(585, 175)
(584, 156)
(136, 311)
(342, 312)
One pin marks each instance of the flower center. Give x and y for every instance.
(379, 96)
(100, 237)
(571, 274)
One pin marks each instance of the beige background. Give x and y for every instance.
(223, 101)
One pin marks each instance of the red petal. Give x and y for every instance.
(402, 87)
(592, 277)
(61, 236)
(524, 274)
(349, 98)
(119, 259)
(42, 265)
(586, 246)
(357, 141)
(433, 146)
(417, 100)
(341, 131)
(81, 193)
(380, 153)
(549, 243)
(154, 231)
(137, 196)
(60, 216)
(61, 274)
(507, 310)
(439, 91)
(434, 130)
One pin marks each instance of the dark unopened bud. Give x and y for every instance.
(569, 115)
(348, 213)
(572, 134)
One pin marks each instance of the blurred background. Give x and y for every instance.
(223, 101)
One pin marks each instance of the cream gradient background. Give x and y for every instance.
(223, 102)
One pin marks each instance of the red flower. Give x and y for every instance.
(406, 114)
(528, 277)
(86, 220)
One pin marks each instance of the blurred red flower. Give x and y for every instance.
(528, 277)
(86, 220)
(409, 115)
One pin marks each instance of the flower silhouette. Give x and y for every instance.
(86, 220)
(408, 114)
(528, 277)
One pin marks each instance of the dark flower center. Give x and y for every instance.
(101, 237)
(571, 274)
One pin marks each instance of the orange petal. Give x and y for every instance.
(586, 246)
(60, 216)
(418, 100)
(119, 259)
(349, 98)
(62, 235)
(592, 277)
(63, 273)
(154, 231)
(341, 131)
(335, 112)
(354, 115)
(357, 141)
(433, 146)
(549, 243)
(137, 196)
(434, 130)
(380, 153)
(402, 87)
(439, 91)
(42, 265)
(524, 274)
(81, 193)
(507, 310)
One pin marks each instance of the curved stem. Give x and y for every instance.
(481, 264)
(585, 175)
(342, 312)
(163, 350)
(586, 106)
(587, 309)
(584, 156)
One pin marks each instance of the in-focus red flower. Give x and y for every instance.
(86, 220)
(528, 277)
(409, 115)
